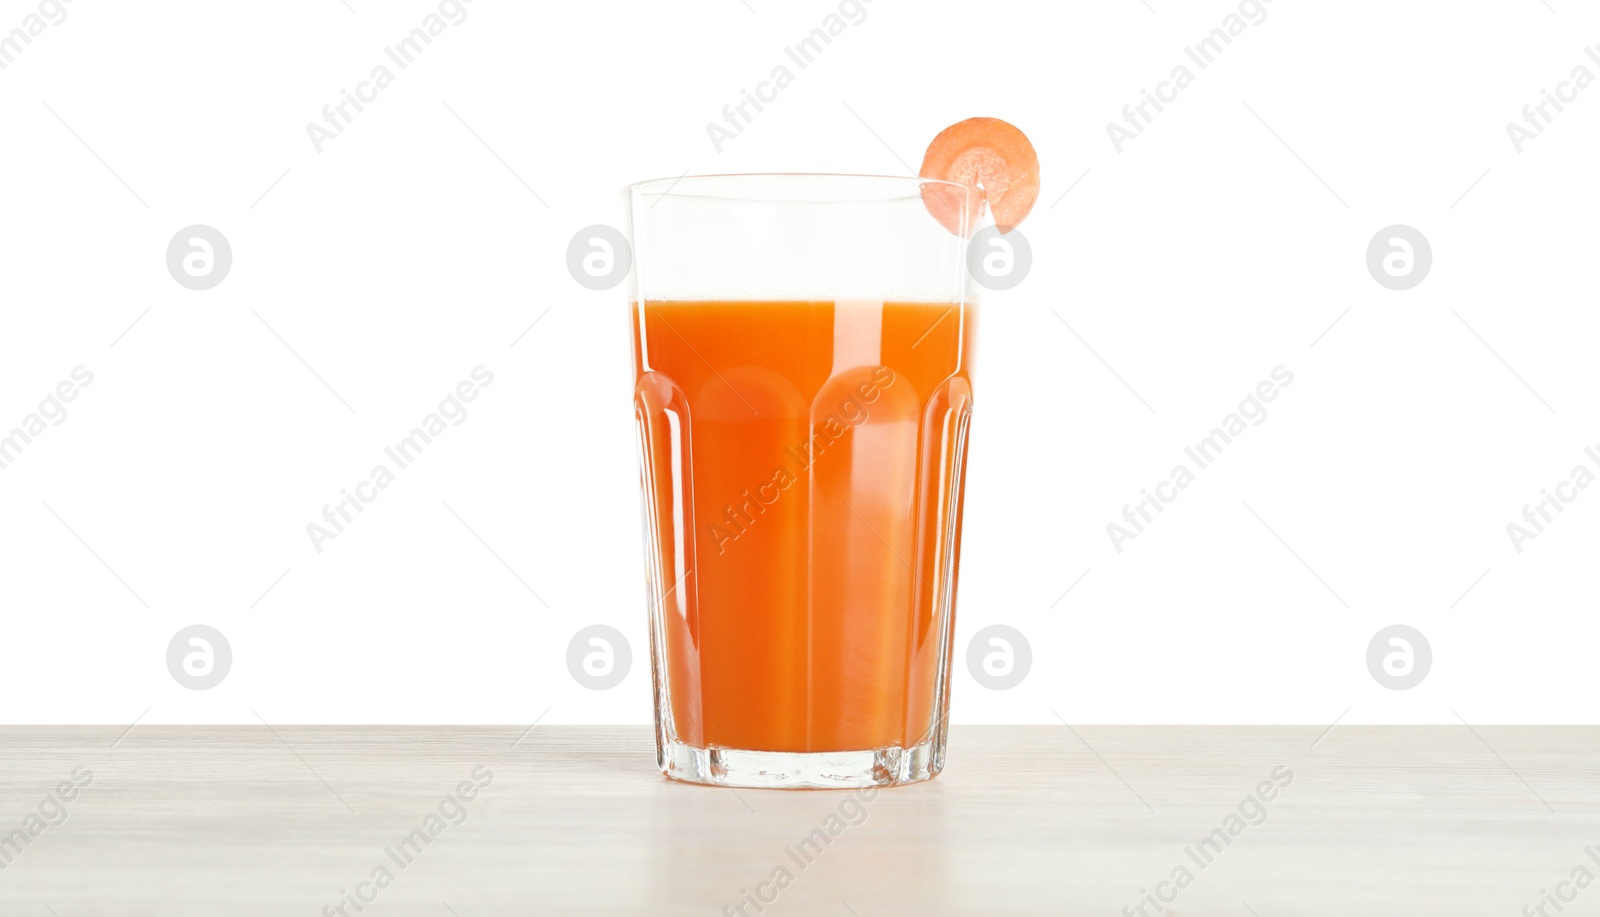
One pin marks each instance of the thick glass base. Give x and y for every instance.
(784, 770)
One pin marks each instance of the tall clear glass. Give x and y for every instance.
(803, 364)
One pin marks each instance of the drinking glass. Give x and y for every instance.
(803, 387)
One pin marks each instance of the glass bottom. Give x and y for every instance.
(817, 770)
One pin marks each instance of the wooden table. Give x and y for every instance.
(184, 822)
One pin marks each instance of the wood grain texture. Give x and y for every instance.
(183, 822)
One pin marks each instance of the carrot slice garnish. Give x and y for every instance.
(988, 153)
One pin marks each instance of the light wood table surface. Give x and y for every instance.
(184, 822)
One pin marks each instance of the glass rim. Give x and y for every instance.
(856, 185)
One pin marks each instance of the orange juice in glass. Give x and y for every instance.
(803, 388)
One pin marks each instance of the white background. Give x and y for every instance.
(406, 253)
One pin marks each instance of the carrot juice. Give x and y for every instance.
(802, 467)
